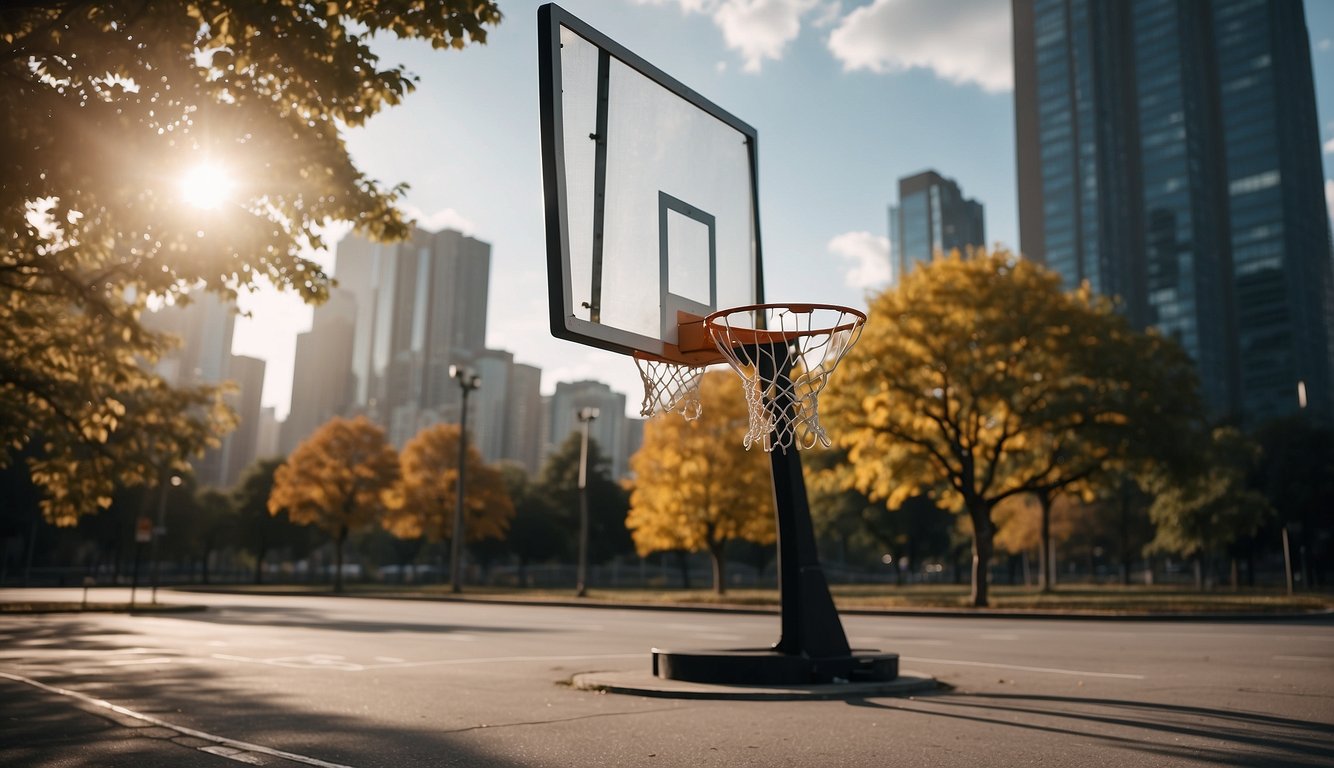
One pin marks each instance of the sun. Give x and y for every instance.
(207, 186)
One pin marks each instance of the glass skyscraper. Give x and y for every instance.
(1169, 155)
(932, 217)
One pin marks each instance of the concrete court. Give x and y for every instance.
(367, 682)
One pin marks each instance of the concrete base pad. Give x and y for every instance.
(646, 684)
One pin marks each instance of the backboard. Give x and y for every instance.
(650, 193)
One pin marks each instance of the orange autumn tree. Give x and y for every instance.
(430, 469)
(696, 488)
(343, 478)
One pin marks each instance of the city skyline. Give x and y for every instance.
(845, 100)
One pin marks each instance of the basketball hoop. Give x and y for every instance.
(785, 354)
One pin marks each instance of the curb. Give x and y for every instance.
(976, 613)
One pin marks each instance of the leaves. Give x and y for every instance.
(695, 487)
(343, 478)
(430, 467)
(105, 106)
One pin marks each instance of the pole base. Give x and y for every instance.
(765, 666)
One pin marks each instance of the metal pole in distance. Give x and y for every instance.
(468, 381)
(585, 415)
(809, 621)
(1287, 560)
(160, 529)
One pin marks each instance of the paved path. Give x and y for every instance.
(364, 682)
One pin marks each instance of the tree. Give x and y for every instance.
(979, 379)
(909, 533)
(607, 500)
(536, 532)
(104, 109)
(257, 529)
(1213, 510)
(430, 467)
(343, 478)
(1296, 475)
(695, 487)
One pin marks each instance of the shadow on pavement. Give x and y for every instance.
(1214, 736)
(44, 729)
(291, 616)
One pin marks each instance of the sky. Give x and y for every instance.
(846, 98)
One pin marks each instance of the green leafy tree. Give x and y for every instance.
(537, 533)
(343, 478)
(105, 108)
(696, 488)
(608, 502)
(1212, 511)
(1296, 474)
(979, 379)
(910, 533)
(257, 530)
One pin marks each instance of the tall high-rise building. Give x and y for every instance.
(322, 370)
(204, 327)
(416, 308)
(608, 429)
(242, 445)
(1169, 155)
(932, 218)
(507, 414)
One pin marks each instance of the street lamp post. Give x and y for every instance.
(585, 415)
(160, 529)
(468, 381)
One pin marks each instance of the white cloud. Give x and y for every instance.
(757, 29)
(867, 256)
(1329, 196)
(1329, 147)
(962, 41)
(760, 29)
(444, 219)
(1324, 45)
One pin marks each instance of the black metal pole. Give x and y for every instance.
(809, 621)
(456, 544)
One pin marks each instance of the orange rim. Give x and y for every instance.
(752, 336)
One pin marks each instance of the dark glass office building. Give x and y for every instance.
(932, 217)
(1169, 154)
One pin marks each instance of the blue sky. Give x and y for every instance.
(846, 98)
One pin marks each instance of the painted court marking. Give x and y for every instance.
(340, 663)
(1020, 668)
(233, 749)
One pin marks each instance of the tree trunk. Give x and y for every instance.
(1235, 576)
(338, 558)
(682, 559)
(1199, 574)
(1045, 579)
(717, 554)
(983, 545)
(259, 565)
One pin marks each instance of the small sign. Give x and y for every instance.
(143, 530)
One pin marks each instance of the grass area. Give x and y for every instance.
(1073, 599)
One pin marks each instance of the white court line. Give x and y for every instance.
(1020, 668)
(297, 662)
(1302, 658)
(223, 740)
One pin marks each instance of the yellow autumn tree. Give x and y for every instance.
(980, 379)
(696, 488)
(343, 478)
(430, 466)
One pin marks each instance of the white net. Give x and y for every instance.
(785, 365)
(669, 388)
